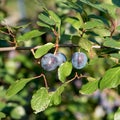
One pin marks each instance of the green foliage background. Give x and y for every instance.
(94, 26)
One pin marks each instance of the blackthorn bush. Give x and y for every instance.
(79, 60)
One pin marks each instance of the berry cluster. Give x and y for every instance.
(50, 61)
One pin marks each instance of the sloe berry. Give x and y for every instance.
(79, 60)
(49, 62)
(61, 58)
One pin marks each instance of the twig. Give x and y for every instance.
(76, 76)
(57, 41)
(32, 47)
(45, 81)
(113, 27)
(36, 47)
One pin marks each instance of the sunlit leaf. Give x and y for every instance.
(18, 112)
(2, 115)
(111, 43)
(40, 100)
(115, 55)
(117, 114)
(111, 79)
(74, 22)
(101, 18)
(110, 8)
(46, 19)
(30, 35)
(21, 26)
(43, 50)
(2, 16)
(93, 24)
(56, 95)
(102, 32)
(93, 5)
(73, 5)
(85, 44)
(56, 19)
(41, 24)
(17, 86)
(89, 87)
(118, 27)
(64, 70)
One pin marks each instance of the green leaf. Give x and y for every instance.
(117, 114)
(74, 22)
(46, 19)
(115, 55)
(102, 32)
(89, 87)
(111, 79)
(111, 9)
(43, 50)
(56, 96)
(17, 86)
(2, 16)
(109, 42)
(2, 115)
(21, 26)
(41, 24)
(101, 18)
(93, 24)
(118, 27)
(75, 39)
(56, 18)
(64, 70)
(73, 5)
(40, 100)
(97, 6)
(30, 35)
(85, 44)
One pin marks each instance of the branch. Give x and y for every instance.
(36, 47)
(14, 48)
(33, 47)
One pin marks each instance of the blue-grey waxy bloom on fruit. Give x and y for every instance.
(49, 62)
(79, 60)
(61, 58)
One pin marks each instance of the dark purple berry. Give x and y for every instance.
(49, 62)
(79, 60)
